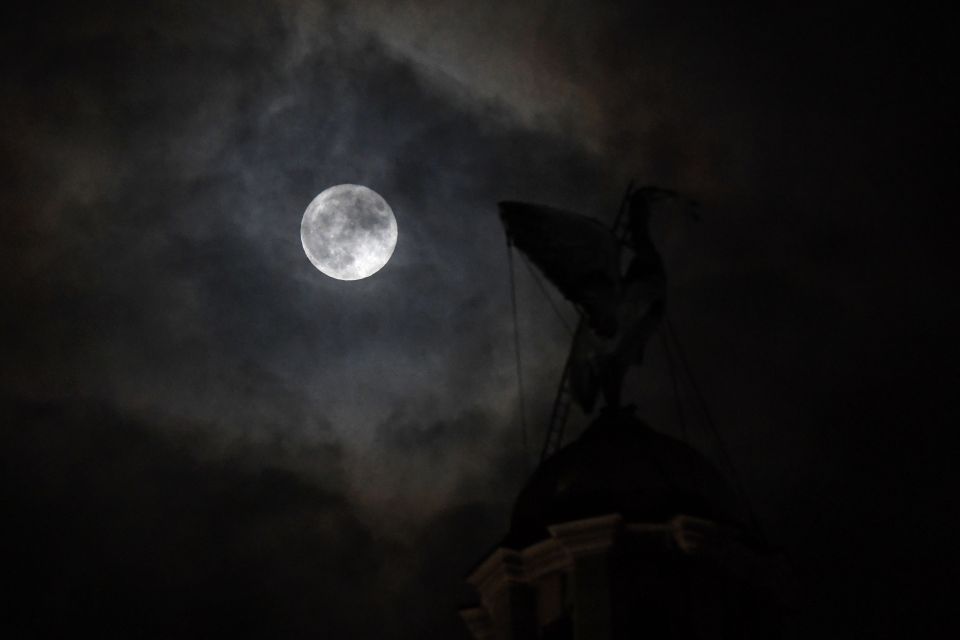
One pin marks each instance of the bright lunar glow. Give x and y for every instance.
(348, 232)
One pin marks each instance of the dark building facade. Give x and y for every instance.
(626, 533)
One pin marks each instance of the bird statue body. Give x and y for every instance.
(619, 310)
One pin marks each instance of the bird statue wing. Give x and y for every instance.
(576, 253)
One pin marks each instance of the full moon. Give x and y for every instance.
(349, 232)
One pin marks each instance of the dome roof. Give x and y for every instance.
(620, 465)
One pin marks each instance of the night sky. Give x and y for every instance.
(204, 436)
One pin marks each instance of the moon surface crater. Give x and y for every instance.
(348, 232)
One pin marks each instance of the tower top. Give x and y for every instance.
(620, 465)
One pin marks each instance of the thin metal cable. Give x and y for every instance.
(546, 294)
(676, 383)
(708, 419)
(516, 345)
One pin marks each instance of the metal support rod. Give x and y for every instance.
(553, 438)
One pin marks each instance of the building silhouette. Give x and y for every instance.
(627, 533)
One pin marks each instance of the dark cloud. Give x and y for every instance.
(294, 450)
(124, 531)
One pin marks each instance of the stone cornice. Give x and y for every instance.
(588, 536)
